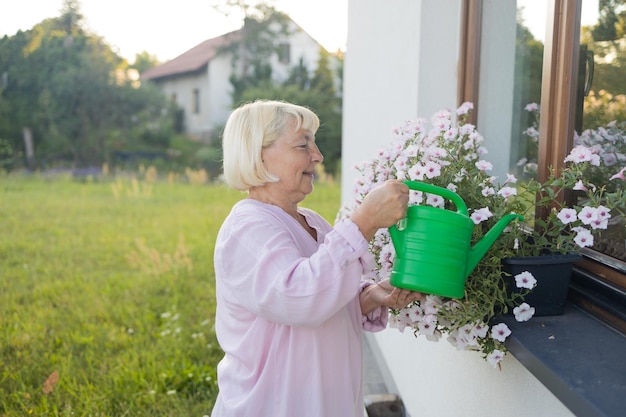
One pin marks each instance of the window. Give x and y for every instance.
(569, 57)
(284, 53)
(195, 105)
(601, 98)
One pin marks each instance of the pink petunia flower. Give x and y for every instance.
(621, 175)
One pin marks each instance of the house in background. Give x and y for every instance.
(198, 80)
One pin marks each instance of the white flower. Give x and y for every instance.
(480, 215)
(603, 213)
(579, 186)
(464, 108)
(599, 223)
(432, 169)
(567, 215)
(531, 107)
(428, 325)
(525, 280)
(510, 179)
(500, 332)
(588, 214)
(484, 165)
(581, 154)
(507, 192)
(487, 191)
(583, 237)
(416, 173)
(523, 312)
(495, 357)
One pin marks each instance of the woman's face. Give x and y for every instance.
(293, 158)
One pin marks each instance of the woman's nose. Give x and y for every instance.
(317, 154)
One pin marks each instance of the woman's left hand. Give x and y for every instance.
(385, 294)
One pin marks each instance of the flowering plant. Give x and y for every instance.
(593, 171)
(450, 153)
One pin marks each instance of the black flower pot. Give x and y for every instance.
(553, 274)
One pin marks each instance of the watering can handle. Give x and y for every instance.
(461, 207)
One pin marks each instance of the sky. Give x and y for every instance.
(167, 28)
(534, 15)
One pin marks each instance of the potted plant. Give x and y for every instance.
(449, 153)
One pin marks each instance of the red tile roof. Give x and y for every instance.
(193, 60)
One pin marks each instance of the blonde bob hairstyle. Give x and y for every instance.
(252, 127)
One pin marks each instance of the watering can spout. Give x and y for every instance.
(478, 251)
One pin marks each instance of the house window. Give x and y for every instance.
(195, 105)
(601, 97)
(567, 57)
(284, 53)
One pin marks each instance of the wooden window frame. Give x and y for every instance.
(558, 113)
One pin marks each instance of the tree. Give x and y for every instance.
(72, 94)
(263, 31)
(527, 89)
(317, 93)
(144, 61)
(255, 43)
(328, 107)
(608, 19)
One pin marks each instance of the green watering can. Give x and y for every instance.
(433, 253)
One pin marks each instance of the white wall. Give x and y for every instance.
(302, 46)
(401, 62)
(219, 91)
(435, 379)
(183, 88)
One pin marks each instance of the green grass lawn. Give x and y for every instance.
(107, 295)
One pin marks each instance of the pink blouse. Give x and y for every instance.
(288, 315)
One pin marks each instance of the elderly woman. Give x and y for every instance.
(291, 304)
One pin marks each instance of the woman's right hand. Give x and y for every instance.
(381, 207)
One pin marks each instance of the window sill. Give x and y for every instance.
(577, 357)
